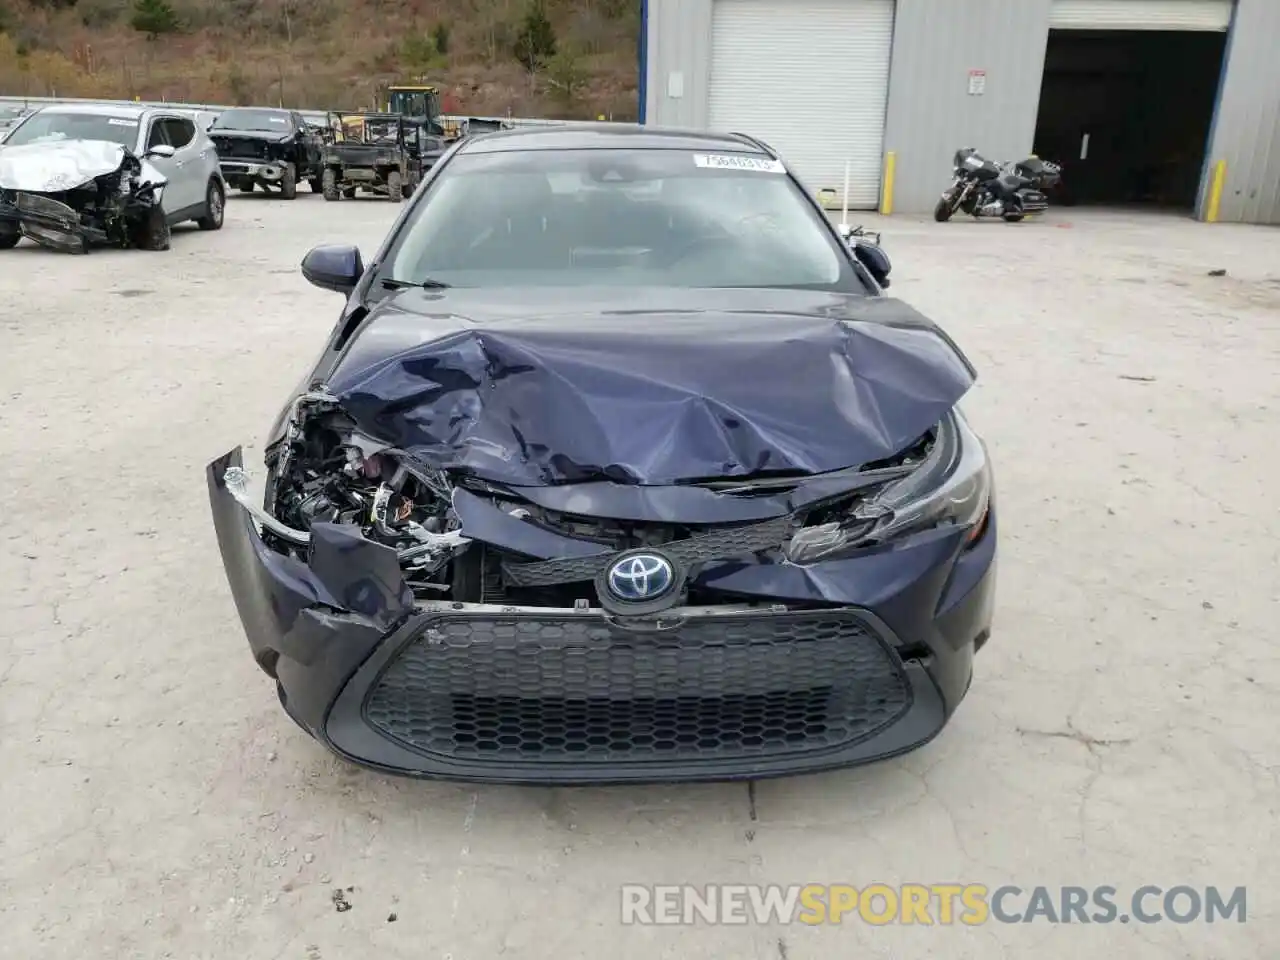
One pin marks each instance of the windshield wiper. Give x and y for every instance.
(427, 284)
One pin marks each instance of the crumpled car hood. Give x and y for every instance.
(540, 387)
(57, 165)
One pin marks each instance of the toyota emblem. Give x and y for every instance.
(640, 576)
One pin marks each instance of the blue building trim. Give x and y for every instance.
(643, 45)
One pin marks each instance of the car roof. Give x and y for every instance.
(622, 137)
(100, 109)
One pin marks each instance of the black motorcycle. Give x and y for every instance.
(982, 188)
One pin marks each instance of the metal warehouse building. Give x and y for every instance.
(1163, 103)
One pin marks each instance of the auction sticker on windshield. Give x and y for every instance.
(117, 122)
(731, 162)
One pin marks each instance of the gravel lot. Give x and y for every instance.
(1120, 730)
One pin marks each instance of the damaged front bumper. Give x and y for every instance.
(794, 669)
(47, 222)
(234, 171)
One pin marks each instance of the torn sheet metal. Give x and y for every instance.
(273, 590)
(698, 384)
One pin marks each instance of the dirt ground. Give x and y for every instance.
(1121, 728)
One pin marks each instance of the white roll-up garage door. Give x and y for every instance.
(811, 79)
(1140, 14)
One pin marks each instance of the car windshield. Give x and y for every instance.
(55, 125)
(618, 218)
(252, 120)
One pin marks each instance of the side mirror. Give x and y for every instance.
(161, 150)
(336, 267)
(875, 260)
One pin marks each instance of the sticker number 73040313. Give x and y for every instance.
(715, 161)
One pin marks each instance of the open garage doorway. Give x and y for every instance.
(1127, 113)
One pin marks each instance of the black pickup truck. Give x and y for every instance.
(272, 149)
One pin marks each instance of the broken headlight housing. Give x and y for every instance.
(951, 486)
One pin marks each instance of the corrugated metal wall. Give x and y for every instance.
(931, 112)
(679, 63)
(1246, 130)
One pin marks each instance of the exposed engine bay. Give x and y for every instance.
(69, 195)
(324, 469)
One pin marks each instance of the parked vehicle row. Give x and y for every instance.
(77, 175)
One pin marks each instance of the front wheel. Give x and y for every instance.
(945, 208)
(395, 187)
(10, 240)
(289, 182)
(1014, 217)
(153, 232)
(214, 207)
(329, 184)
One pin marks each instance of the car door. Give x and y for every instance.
(182, 136)
(157, 135)
(308, 146)
(206, 158)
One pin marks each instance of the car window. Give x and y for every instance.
(46, 126)
(179, 131)
(618, 217)
(238, 118)
(158, 135)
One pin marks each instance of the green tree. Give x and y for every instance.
(566, 75)
(440, 37)
(153, 17)
(536, 40)
(421, 52)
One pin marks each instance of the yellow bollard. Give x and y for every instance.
(886, 188)
(1215, 191)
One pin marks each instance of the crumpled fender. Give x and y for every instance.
(351, 587)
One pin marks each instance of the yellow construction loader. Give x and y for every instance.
(420, 102)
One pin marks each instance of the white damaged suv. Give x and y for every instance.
(76, 175)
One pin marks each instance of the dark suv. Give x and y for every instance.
(272, 149)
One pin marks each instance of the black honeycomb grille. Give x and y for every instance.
(546, 688)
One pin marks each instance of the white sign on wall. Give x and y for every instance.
(977, 83)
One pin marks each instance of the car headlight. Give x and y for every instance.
(950, 487)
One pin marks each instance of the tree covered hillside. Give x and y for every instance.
(554, 58)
